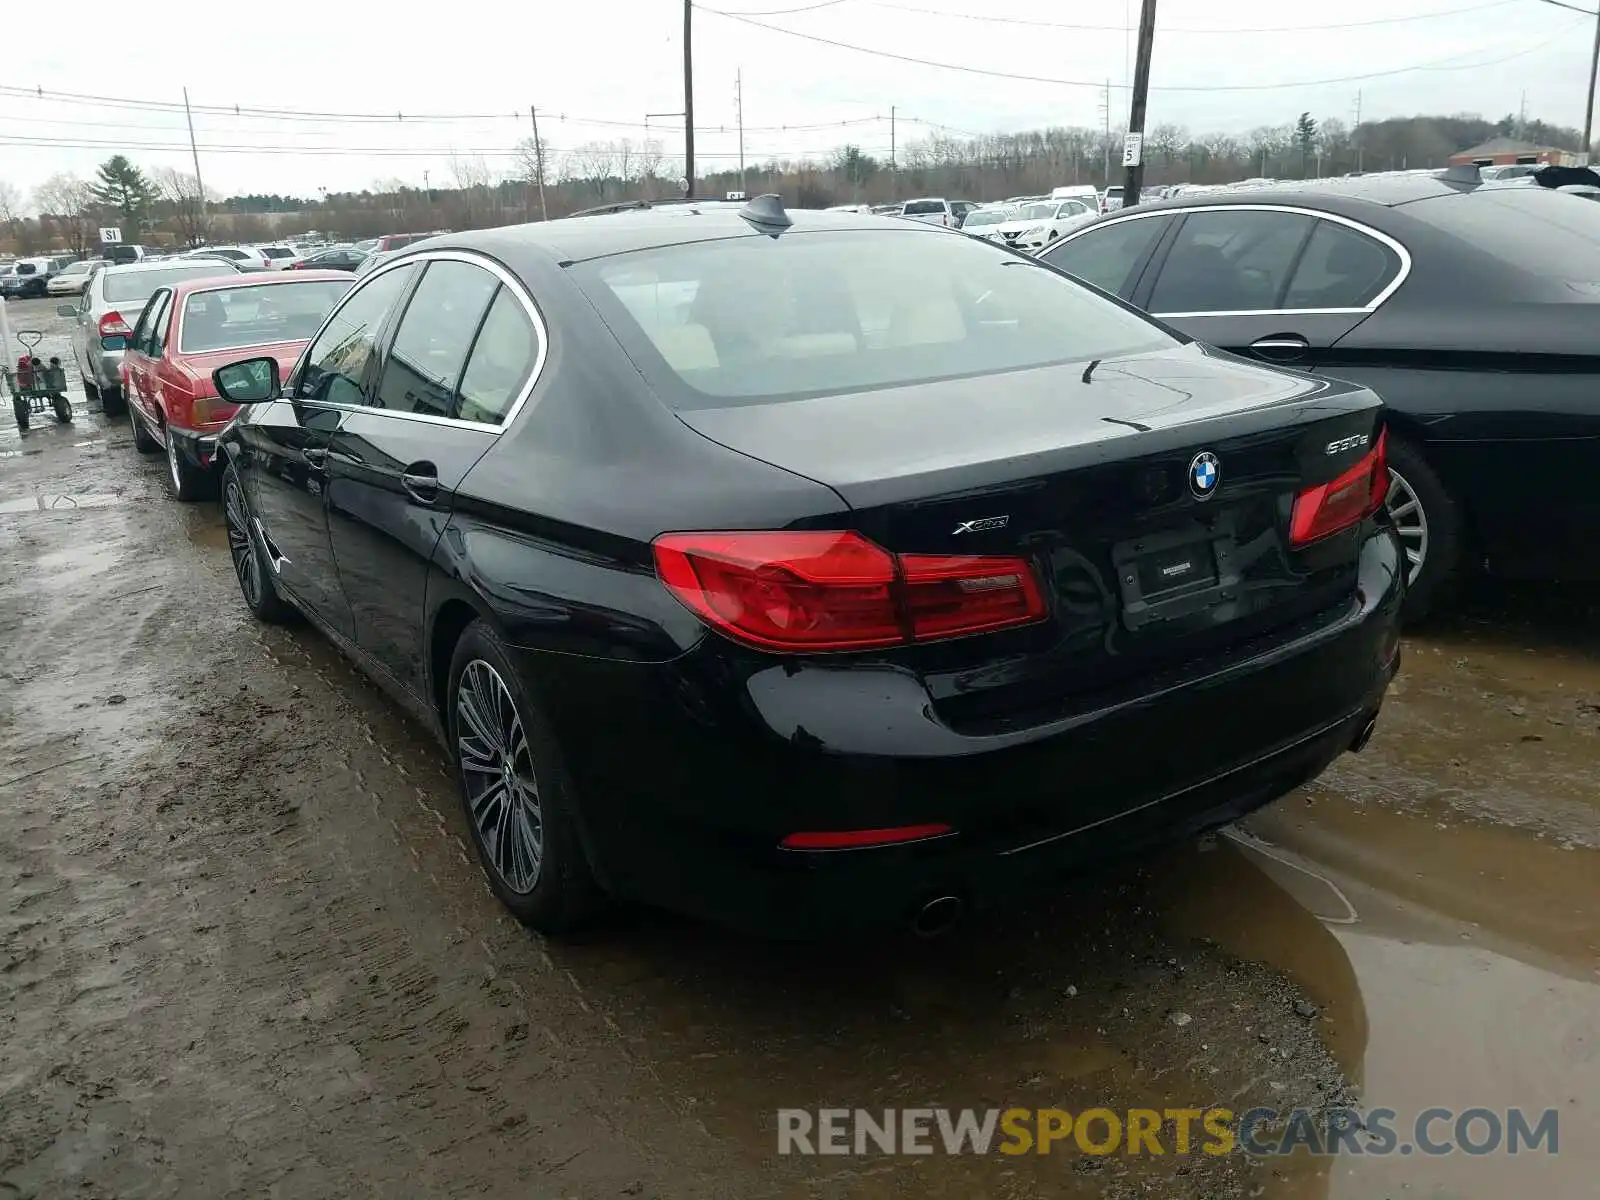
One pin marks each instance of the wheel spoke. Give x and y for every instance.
(497, 771)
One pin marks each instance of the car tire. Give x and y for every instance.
(543, 876)
(112, 402)
(90, 392)
(250, 565)
(143, 442)
(21, 410)
(1432, 529)
(186, 480)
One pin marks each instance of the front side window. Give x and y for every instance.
(256, 316)
(336, 363)
(430, 347)
(1107, 256)
(752, 320)
(144, 338)
(1233, 260)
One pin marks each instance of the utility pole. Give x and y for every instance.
(891, 137)
(738, 105)
(688, 96)
(538, 161)
(1355, 132)
(196, 156)
(1588, 107)
(1106, 109)
(1136, 109)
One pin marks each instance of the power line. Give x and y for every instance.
(1588, 12)
(1165, 29)
(285, 114)
(1439, 65)
(19, 141)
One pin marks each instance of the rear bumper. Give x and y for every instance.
(687, 783)
(197, 446)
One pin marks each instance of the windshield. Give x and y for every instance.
(77, 268)
(1039, 212)
(753, 320)
(923, 207)
(27, 269)
(135, 287)
(986, 216)
(256, 315)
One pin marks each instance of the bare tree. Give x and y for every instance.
(69, 201)
(475, 181)
(589, 163)
(10, 205)
(190, 218)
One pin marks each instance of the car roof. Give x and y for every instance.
(241, 279)
(1388, 190)
(136, 268)
(575, 239)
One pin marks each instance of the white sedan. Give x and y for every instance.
(1039, 224)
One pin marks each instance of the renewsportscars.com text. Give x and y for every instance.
(1150, 1131)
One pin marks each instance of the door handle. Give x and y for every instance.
(1283, 346)
(420, 480)
(315, 456)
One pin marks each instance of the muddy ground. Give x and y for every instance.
(245, 950)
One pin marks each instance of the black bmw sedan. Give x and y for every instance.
(812, 573)
(1471, 307)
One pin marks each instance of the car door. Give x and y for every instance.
(461, 352)
(286, 445)
(139, 361)
(1275, 283)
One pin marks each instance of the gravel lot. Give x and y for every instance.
(245, 951)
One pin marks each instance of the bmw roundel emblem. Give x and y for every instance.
(1205, 472)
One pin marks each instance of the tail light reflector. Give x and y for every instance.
(112, 325)
(855, 839)
(819, 591)
(1355, 495)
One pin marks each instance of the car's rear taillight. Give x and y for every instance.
(818, 591)
(112, 325)
(1352, 497)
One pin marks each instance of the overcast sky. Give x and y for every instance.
(587, 64)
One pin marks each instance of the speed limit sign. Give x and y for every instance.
(110, 235)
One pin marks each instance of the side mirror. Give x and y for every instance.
(66, 310)
(252, 381)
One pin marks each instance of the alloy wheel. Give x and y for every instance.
(1410, 522)
(497, 773)
(246, 563)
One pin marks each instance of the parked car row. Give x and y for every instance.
(844, 513)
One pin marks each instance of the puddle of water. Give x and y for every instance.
(42, 503)
(1461, 969)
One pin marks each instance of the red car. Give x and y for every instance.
(195, 326)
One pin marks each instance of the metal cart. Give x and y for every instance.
(36, 387)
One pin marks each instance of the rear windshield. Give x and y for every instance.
(135, 287)
(754, 320)
(1540, 231)
(278, 252)
(1114, 191)
(923, 207)
(257, 316)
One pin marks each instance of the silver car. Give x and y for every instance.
(110, 308)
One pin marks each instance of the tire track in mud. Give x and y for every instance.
(236, 955)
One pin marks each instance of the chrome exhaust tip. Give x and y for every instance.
(1361, 739)
(938, 916)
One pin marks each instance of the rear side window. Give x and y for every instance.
(502, 359)
(747, 320)
(1340, 269)
(1106, 256)
(923, 208)
(1230, 261)
(430, 348)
